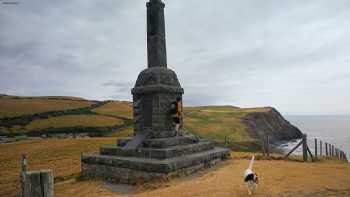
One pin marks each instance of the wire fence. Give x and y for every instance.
(319, 149)
(312, 148)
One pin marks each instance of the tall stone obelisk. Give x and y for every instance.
(155, 152)
(156, 45)
(157, 86)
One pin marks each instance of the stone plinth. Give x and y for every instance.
(155, 89)
(156, 159)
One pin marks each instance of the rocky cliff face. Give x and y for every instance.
(271, 123)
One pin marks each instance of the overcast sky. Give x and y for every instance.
(292, 55)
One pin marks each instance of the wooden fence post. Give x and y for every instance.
(346, 157)
(39, 184)
(315, 147)
(263, 149)
(24, 164)
(290, 152)
(341, 155)
(320, 148)
(326, 146)
(35, 183)
(304, 148)
(336, 152)
(332, 150)
(268, 146)
(308, 150)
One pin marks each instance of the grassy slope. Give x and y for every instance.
(63, 156)
(116, 108)
(277, 176)
(74, 120)
(214, 122)
(219, 121)
(11, 106)
(15, 106)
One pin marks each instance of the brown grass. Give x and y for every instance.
(218, 122)
(10, 107)
(73, 121)
(278, 177)
(116, 108)
(63, 156)
(125, 132)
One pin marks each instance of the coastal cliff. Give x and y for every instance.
(270, 123)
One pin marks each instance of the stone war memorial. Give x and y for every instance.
(156, 151)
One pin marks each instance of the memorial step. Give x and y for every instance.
(168, 142)
(154, 165)
(157, 153)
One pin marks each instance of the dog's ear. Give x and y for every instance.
(256, 179)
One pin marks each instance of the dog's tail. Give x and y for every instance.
(251, 163)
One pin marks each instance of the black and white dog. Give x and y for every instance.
(250, 178)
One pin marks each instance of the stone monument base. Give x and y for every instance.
(156, 159)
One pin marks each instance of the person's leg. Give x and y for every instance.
(177, 127)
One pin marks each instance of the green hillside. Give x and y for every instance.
(218, 122)
(52, 115)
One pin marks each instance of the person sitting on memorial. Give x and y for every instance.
(176, 110)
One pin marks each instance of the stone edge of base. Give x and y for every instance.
(130, 176)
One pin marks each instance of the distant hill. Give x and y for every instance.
(12, 106)
(36, 116)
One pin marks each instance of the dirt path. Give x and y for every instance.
(278, 178)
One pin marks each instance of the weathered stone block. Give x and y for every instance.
(156, 165)
(157, 153)
(167, 142)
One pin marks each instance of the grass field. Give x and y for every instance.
(125, 132)
(63, 156)
(216, 122)
(116, 108)
(13, 106)
(74, 121)
(278, 177)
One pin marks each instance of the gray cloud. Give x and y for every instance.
(293, 55)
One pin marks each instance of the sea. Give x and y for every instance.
(331, 129)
